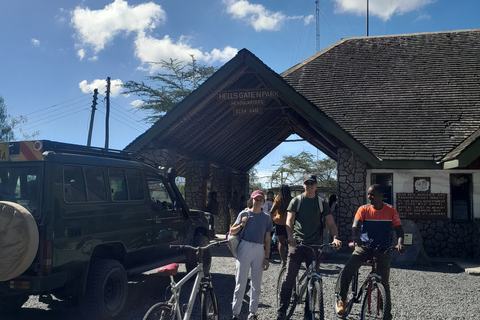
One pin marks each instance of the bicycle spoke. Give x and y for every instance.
(160, 311)
(374, 302)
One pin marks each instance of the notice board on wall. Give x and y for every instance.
(422, 206)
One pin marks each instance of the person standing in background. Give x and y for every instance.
(279, 217)
(267, 206)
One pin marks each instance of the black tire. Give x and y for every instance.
(106, 290)
(199, 241)
(318, 312)
(12, 305)
(209, 304)
(160, 311)
(374, 305)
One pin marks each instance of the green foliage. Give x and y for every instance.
(254, 181)
(293, 168)
(9, 123)
(170, 88)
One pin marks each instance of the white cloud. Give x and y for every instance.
(136, 103)
(380, 8)
(81, 54)
(308, 19)
(149, 49)
(256, 15)
(97, 28)
(35, 42)
(101, 85)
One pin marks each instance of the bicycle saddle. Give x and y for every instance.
(169, 269)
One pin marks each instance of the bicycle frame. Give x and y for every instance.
(176, 288)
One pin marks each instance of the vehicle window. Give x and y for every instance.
(74, 184)
(135, 185)
(118, 184)
(160, 197)
(96, 190)
(20, 185)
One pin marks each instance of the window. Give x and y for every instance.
(461, 196)
(74, 184)
(386, 181)
(96, 190)
(126, 184)
(20, 185)
(159, 194)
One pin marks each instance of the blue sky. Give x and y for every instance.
(54, 53)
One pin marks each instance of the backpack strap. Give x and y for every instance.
(320, 203)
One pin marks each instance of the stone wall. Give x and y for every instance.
(352, 172)
(194, 184)
(447, 239)
(162, 157)
(221, 181)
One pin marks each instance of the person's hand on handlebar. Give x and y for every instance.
(400, 248)
(337, 242)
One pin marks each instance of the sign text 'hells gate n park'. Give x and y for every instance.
(248, 102)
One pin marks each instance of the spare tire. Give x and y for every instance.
(18, 240)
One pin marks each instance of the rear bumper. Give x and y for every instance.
(32, 285)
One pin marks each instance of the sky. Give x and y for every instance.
(54, 53)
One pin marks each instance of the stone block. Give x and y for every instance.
(414, 253)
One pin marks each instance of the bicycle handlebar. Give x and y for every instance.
(186, 246)
(377, 249)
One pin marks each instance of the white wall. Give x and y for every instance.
(440, 183)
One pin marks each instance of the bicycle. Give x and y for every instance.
(374, 301)
(171, 310)
(309, 283)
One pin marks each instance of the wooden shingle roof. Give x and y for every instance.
(404, 97)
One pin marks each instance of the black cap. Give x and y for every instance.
(309, 177)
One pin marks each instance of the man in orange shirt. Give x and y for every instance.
(370, 230)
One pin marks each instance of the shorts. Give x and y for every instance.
(280, 230)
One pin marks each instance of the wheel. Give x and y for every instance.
(106, 290)
(350, 294)
(199, 241)
(160, 311)
(316, 299)
(374, 303)
(297, 288)
(209, 304)
(19, 239)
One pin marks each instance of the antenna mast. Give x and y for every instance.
(317, 25)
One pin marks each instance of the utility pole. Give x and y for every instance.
(317, 25)
(94, 107)
(107, 117)
(367, 17)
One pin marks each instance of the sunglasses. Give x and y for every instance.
(309, 183)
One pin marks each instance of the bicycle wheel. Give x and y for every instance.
(294, 298)
(316, 301)
(160, 311)
(209, 304)
(374, 302)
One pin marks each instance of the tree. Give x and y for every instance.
(254, 181)
(171, 87)
(9, 123)
(293, 168)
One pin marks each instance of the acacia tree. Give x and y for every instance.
(9, 123)
(293, 168)
(169, 88)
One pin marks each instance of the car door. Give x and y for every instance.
(168, 218)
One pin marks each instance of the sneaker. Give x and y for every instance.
(341, 308)
(252, 316)
(281, 316)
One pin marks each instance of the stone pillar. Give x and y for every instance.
(194, 190)
(240, 184)
(162, 157)
(221, 182)
(352, 173)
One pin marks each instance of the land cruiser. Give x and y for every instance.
(77, 221)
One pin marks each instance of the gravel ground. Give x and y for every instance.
(441, 291)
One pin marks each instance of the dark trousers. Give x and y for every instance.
(294, 260)
(358, 257)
